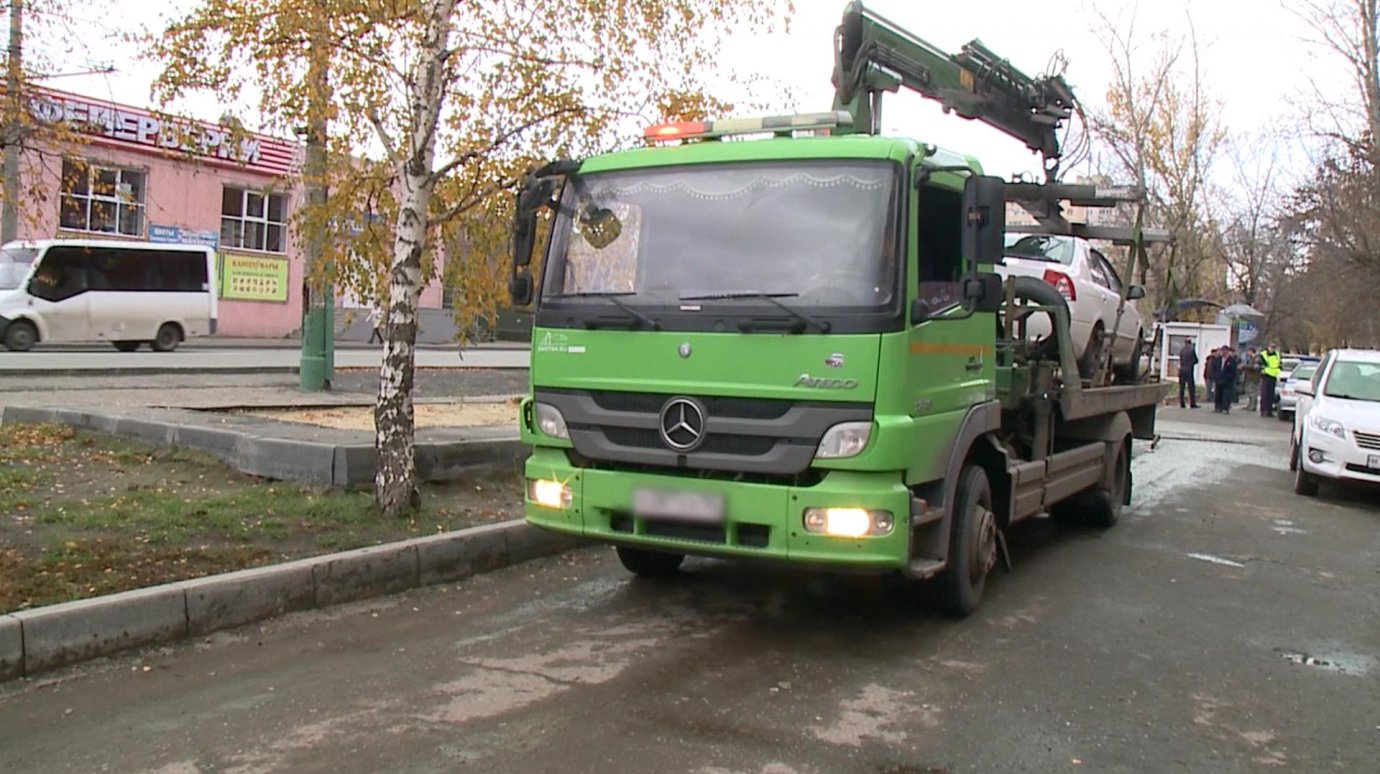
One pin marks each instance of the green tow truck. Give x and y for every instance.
(781, 338)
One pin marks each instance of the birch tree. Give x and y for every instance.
(1159, 129)
(38, 49)
(436, 109)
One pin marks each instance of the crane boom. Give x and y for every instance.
(873, 56)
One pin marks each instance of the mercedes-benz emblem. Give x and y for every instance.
(684, 350)
(682, 424)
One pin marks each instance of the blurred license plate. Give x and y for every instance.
(660, 504)
(1373, 461)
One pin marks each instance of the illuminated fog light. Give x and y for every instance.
(549, 494)
(1316, 456)
(848, 522)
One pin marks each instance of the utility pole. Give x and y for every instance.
(13, 128)
(318, 307)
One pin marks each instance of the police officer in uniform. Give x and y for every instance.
(1269, 374)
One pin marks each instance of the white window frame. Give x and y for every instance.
(122, 204)
(263, 222)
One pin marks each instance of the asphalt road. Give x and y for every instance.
(211, 358)
(1226, 625)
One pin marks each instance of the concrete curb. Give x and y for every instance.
(32, 641)
(347, 465)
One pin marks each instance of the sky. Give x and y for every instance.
(1254, 60)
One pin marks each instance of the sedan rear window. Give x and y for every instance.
(1041, 247)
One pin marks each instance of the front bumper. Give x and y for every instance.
(1342, 459)
(763, 521)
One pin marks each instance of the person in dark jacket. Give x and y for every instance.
(1212, 368)
(1188, 362)
(1226, 379)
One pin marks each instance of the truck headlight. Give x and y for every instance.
(848, 522)
(1329, 426)
(844, 440)
(551, 422)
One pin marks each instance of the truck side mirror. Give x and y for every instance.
(919, 312)
(983, 292)
(984, 219)
(520, 288)
(1135, 292)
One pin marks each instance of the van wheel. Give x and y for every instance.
(972, 546)
(126, 346)
(20, 336)
(649, 564)
(169, 336)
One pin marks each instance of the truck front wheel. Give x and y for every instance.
(972, 545)
(649, 564)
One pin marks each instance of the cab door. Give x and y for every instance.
(950, 361)
(58, 294)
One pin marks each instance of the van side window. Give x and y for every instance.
(167, 271)
(61, 274)
(939, 247)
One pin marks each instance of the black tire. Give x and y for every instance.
(1285, 416)
(972, 546)
(649, 564)
(127, 346)
(1103, 509)
(169, 336)
(20, 336)
(1293, 453)
(1091, 360)
(1304, 482)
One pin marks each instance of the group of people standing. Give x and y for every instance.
(1223, 371)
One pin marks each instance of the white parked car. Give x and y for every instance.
(1337, 422)
(1288, 386)
(1087, 280)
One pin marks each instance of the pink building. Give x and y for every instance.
(135, 174)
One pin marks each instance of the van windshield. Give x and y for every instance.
(14, 265)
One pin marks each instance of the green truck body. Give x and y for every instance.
(785, 349)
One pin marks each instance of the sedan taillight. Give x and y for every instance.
(1062, 283)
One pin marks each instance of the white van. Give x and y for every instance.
(126, 293)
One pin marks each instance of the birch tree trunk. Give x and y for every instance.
(395, 483)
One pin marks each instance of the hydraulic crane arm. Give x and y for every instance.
(873, 55)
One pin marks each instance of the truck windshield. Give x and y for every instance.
(14, 264)
(820, 234)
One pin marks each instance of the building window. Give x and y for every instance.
(107, 200)
(253, 220)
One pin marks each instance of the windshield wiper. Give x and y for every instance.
(638, 317)
(805, 320)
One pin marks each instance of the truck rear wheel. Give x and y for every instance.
(1104, 505)
(972, 545)
(649, 564)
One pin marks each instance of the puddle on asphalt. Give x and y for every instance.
(1341, 663)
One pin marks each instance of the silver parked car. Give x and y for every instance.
(1287, 386)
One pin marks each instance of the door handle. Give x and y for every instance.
(974, 364)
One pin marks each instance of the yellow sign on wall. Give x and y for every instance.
(253, 278)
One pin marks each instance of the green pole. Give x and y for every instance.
(318, 308)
